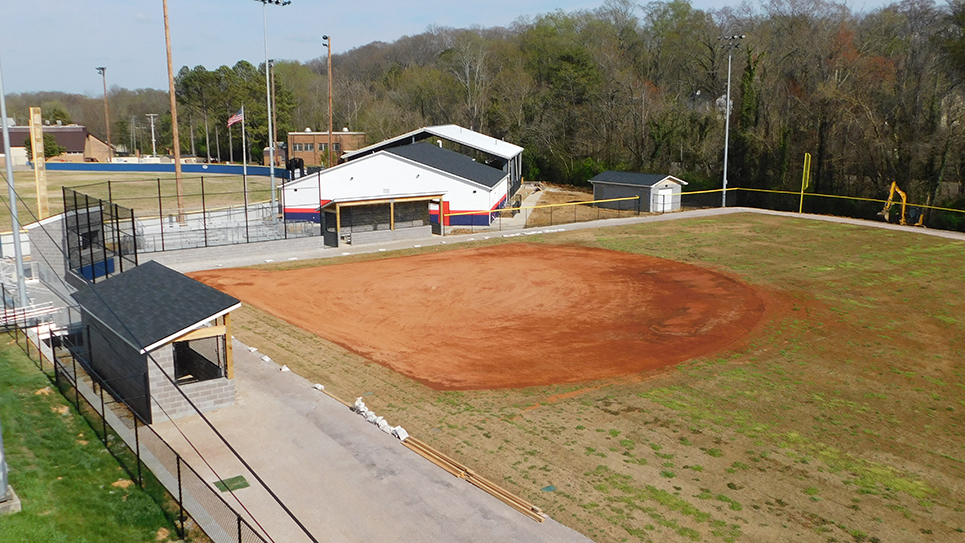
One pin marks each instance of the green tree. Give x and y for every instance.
(51, 148)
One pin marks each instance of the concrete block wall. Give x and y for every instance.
(385, 236)
(206, 395)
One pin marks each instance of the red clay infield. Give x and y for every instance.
(510, 315)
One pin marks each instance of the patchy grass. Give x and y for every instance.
(71, 488)
(852, 388)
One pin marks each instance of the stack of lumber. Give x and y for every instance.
(458, 470)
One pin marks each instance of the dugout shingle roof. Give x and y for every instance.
(152, 304)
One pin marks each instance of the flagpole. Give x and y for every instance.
(244, 153)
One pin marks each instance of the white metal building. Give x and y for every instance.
(404, 172)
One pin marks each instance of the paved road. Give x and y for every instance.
(346, 480)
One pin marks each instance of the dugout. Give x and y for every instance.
(377, 220)
(184, 325)
(658, 193)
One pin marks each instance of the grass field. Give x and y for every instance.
(71, 488)
(839, 419)
(132, 190)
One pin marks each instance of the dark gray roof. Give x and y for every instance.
(72, 137)
(450, 162)
(630, 178)
(153, 302)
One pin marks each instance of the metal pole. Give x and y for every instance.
(204, 214)
(12, 198)
(153, 141)
(732, 43)
(328, 45)
(107, 121)
(726, 128)
(271, 137)
(160, 212)
(177, 460)
(137, 451)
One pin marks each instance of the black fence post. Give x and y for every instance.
(177, 459)
(246, 215)
(76, 388)
(137, 452)
(204, 214)
(239, 527)
(160, 212)
(103, 415)
(100, 207)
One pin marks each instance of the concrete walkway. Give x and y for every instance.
(342, 477)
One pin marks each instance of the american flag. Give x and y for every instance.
(237, 117)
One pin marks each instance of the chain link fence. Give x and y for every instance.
(196, 509)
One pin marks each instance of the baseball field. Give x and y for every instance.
(737, 378)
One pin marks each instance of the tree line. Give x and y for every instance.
(874, 97)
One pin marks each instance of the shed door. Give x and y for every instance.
(664, 200)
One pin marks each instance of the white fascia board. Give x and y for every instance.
(191, 328)
(668, 178)
(476, 140)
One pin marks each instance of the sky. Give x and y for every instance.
(55, 45)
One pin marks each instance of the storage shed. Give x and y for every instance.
(658, 193)
(184, 325)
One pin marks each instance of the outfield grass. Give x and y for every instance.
(71, 488)
(839, 419)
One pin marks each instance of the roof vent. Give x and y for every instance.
(308, 129)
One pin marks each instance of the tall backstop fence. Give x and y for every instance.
(190, 503)
(205, 212)
(100, 236)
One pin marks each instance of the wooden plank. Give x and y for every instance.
(202, 333)
(229, 349)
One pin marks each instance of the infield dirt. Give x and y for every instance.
(511, 315)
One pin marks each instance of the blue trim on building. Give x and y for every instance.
(303, 216)
(120, 167)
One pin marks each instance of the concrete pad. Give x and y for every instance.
(342, 477)
(11, 502)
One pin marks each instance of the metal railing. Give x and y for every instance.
(147, 458)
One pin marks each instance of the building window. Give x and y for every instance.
(309, 146)
(199, 359)
(297, 147)
(337, 147)
(322, 147)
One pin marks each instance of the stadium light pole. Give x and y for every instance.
(328, 45)
(107, 120)
(731, 43)
(12, 202)
(271, 135)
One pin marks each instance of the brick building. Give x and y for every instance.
(312, 147)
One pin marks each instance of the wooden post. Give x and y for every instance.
(228, 349)
(392, 215)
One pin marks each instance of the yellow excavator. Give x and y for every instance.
(902, 219)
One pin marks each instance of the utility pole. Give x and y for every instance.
(731, 42)
(328, 45)
(152, 116)
(174, 116)
(107, 121)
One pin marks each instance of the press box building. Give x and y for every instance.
(441, 167)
